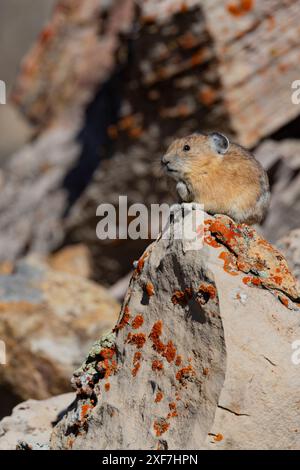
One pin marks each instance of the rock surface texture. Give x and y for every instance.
(48, 319)
(290, 247)
(32, 420)
(201, 354)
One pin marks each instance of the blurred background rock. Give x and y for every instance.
(98, 89)
(20, 24)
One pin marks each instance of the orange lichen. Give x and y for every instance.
(178, 298)
(229, 263)
(149, 289)
(136, 369)
(178, 361)
(184, 7)
(107, 386)
(173, 410)
(127, 122)
(170, 352)
(137, 339)
(46, 34)
(137, 357)
(107, 353)
(277, 279)
(208, 289)
(159, 397)
(284, 300)
(84, 410)
(160, 427)
(135, 132)
(156, 331)
(141, 263)
(240, 8)
(227, 234)
(218, 437)
(271, 22)
(112, 132)
(185, 373)
(207, 96)
(198, 57)
(108, 367)
(166, 350)
(182, 298)
(205, 371)
(209, 240)
(124, 320)
(251, 280)
(137, 322)
(157, 365)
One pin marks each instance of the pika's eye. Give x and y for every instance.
(186, 148)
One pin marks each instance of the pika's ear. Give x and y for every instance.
(219, 142)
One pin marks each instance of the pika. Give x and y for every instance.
(221, 175)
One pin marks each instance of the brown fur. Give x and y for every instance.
(234, 184)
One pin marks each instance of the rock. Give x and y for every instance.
(74, 259)
(33, 200)
(282, 161)
(106, 96)
(48, 320)
(32, 420)
(77, 51)
(290, 247)
(201, 357)
(219, 34)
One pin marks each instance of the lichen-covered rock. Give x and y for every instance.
(47, 320)
(31, 421)
(199, 358)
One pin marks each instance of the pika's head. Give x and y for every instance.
(202, 150)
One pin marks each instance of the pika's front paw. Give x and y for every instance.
(182, 191)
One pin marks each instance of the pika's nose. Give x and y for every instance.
(165, 160)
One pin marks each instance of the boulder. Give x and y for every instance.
(32, 420)
(201, 356)
(48, 319)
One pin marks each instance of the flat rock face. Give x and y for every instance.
(48, 320)
(32, 420)
(201, 356)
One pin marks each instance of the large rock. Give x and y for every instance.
(116, 84)
(201, 357)
(84, 37)
(48, 319)
(32, 420)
